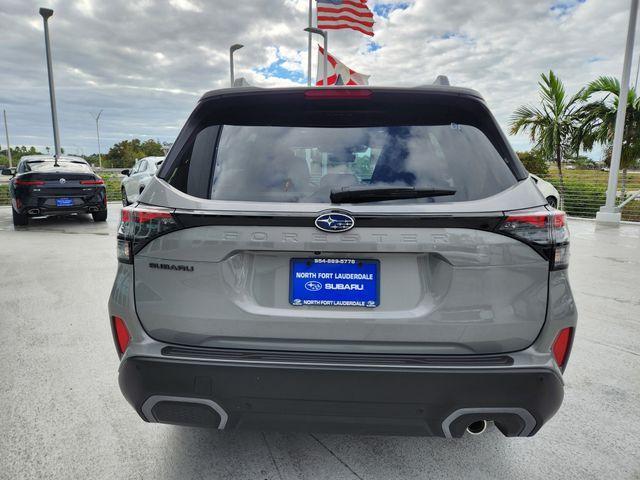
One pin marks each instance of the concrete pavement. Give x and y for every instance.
(62, 415)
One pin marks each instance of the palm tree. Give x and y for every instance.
(599, 122)
(553, 125)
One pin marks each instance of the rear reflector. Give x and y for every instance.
(98, 181)
(29, 183)
(561, 346)
(355, 93)
(122, 334)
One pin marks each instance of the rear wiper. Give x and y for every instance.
(381, 194)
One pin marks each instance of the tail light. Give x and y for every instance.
(121, 334)
(97, 181)
(139, 225)
(562, 346)
(28, 183)
(546, 231)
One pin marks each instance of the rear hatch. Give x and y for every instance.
(298, 228)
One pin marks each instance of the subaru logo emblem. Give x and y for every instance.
(63, 180)
(335, 222)
(313, 286)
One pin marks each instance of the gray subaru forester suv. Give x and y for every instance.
(372, 260)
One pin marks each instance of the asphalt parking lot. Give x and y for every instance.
(62, 414)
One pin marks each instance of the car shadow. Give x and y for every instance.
(203, 453)
(72, 223)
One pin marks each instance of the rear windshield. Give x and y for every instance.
(285, 147)
(304, 164)
(49, 165)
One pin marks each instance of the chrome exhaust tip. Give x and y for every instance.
(33, 211)
(476, 428)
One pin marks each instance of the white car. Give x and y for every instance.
(548, 190)
(136, 179)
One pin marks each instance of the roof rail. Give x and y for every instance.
(442, 80)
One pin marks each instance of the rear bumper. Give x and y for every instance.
(36, 210)
(38, 205)
(396, 400)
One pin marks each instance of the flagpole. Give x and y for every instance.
(310, 34)
(326, 61)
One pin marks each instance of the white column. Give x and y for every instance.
(609, 214)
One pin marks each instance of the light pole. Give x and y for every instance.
(97, 117)
(609, 213)
(637, 72)
(325, 36)
(46, 14)
(6, 131)
(232, 50)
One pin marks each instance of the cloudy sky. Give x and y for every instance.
(146, 62)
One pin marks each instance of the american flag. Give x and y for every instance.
(337, 14)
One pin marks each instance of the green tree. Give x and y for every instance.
(125, 153)
(152, 148)
(534, 162)
(92, 159)
(599, 122)
(553, 125)
(18, 152)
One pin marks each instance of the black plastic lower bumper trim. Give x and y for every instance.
(347, 399)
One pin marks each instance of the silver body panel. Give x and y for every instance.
(449, 291)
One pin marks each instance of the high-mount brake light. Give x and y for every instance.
(27, 183)
(97, 181)
(546, 231)
(138, 226)
(351, 93)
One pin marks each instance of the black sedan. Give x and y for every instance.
(42, 186)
